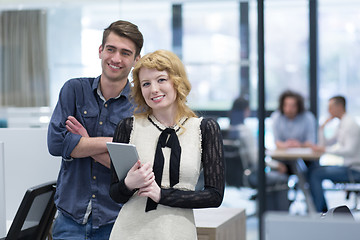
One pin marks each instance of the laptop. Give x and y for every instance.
(123, 157)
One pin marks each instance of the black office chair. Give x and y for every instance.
(240, 172)
(35, 215)
(350, 187)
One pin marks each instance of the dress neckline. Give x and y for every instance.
(162, 127)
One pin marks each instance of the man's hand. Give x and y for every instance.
(75, 127)
(317, 148)
(326, 122)
(293, 143)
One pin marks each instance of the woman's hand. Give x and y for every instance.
(152, 191)
(139, 176)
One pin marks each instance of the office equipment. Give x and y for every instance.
(35, 214)
(241, 171)
(283, 226)
(123, 157)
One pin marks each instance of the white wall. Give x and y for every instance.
(2, 192)
(26, 162)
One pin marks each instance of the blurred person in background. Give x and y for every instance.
(345, 143)
(293, 125)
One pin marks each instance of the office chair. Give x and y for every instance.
(240, 172)
(35, 214)
(339, 211)
(350, 187)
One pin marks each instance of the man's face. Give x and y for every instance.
(333, 109)
(290, 108)
(117, 57)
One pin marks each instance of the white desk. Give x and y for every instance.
(220, 223)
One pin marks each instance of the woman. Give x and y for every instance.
(173, 145)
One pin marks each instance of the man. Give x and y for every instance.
(83, 120)
(345, 143)
(293, 126)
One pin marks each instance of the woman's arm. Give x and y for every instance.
(214, 173)
(118, 190)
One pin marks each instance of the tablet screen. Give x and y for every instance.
(123, 157)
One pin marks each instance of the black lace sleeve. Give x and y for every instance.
(118, 191)
(214, 173)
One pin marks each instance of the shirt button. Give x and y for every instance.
(105, 105)
(94, 177)
(100, 123)
(85, 112)
(93, 196)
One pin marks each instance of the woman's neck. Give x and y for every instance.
(168, 120)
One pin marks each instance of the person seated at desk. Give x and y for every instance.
(293, 126)
(248, 152)
(345, 143)
(238, 130)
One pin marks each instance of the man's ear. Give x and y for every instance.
(137, 58)
(100, 50)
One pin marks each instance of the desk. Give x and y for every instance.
(293, 154)
(296, 157)
(220, 223)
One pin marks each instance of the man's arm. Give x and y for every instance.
(94, 147)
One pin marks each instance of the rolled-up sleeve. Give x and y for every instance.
(60, 141)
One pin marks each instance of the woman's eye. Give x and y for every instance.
(162, 79)
(145, 84)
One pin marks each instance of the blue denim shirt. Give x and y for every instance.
(301, 128)
(82, 179)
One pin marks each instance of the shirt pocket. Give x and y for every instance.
(115, 119)
(89, 117)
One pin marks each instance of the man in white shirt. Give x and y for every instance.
(345, 143)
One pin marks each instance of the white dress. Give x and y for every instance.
(164, 223)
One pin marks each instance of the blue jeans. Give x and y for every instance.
(66, 228)
(333, 173)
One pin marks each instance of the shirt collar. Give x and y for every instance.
(96, 87)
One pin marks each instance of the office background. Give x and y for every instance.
(217, 40)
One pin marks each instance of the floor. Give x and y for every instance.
(239, 198)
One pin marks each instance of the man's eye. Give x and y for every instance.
(125, 53)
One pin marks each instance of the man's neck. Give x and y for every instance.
(111, 89)
(342, 115)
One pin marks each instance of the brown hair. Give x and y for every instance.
(125, 29)
(339, 100)
(297, 96)
(163, 60)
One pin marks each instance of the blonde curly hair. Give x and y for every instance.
(163, 60)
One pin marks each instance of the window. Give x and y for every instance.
(211, 53)
(339, 53)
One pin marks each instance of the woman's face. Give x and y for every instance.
(158, 90)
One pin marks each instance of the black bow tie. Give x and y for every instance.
(168, 138)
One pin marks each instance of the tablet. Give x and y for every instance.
(123, 157)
